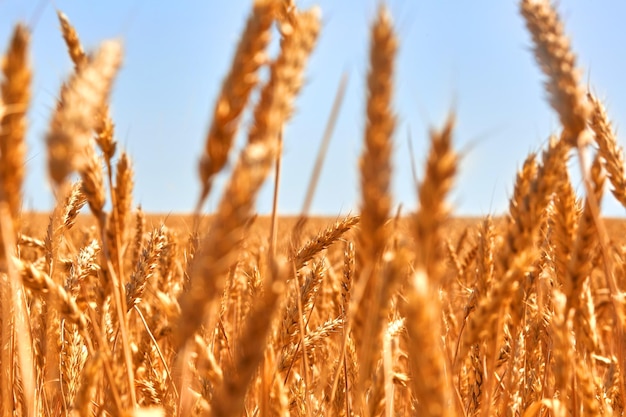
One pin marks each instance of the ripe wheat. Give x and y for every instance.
(366, 316)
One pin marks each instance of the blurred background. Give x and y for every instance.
(472, 58)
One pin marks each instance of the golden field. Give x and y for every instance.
(110, 311)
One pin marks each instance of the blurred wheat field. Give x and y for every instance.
(110, 311)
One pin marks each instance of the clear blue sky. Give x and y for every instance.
(473, 56)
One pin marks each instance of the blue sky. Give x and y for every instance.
(470, 56)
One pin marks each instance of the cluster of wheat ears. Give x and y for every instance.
(375, 315)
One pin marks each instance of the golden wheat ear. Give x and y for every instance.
(72, 41)
(433, 212)
(75, 117)
(323, 240)
(609, 149)
(558, 62)
(15, 99)
(236, 90)
(104, 126)
(375, 163)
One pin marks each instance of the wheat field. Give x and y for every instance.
(107, 311)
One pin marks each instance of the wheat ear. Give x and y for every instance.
(558, 62)
(323, 240)
(72, 40)
(375, 163)
(609, 149)
(15, 97)
(236, 90)
(74, 119)
(104, 125)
